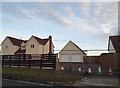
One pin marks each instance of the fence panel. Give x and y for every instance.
(111, 60)
(36, 60)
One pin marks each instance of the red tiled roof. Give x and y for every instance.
(41, 41)
(16, 41)
(116, 42)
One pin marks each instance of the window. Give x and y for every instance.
(6, 47)
(22, 46)
(32, 46)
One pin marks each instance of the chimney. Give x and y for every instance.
(50, 44)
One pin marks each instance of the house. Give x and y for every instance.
(35, 45)
(114, 44)
(10, 45)
(22, 49)
(71, 53)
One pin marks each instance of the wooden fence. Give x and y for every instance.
(36, 60)
(91, 59)
(110, 59)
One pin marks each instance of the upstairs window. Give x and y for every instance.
(6, 47)
(32, 46)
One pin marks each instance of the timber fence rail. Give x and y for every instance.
(30, 60)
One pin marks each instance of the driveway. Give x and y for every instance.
(98, 81)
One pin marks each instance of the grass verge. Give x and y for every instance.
(38, 75)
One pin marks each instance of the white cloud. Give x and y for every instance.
(95, 18)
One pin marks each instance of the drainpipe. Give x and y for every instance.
(50, 44)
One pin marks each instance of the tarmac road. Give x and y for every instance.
(8, 82)
(98, 81)
(88, 81)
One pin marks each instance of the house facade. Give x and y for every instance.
(71, 53)
(35, 45)
(10, 45)
(114, 44)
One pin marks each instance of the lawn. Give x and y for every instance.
(38, 75)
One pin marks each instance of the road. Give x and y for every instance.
(98, 81)
(8, 82)
(88, 81)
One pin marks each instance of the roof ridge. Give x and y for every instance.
(41, 41)
(16, 38)
(15, 41)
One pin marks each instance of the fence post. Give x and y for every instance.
(24, 57)
(10, 61)
(2, 60)
(55, 61)
(29, 61)
(19, 61)
(41, 61)
(70, 68)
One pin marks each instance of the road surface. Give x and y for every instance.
(8, 82)
(98, 81)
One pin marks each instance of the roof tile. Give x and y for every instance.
(16, 41)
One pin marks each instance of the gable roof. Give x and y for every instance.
(19, 51)
(75, 45)
(15, 41)
(116, 42)
(41, 41)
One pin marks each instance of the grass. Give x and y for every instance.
(38, 75)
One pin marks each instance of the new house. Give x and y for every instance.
(10, 45)
(114, 44)
(71, 53)
(35, 45)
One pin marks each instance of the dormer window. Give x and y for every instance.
(22, 46)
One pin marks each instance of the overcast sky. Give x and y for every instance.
(88, 24)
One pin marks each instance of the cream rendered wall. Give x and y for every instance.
(70, 50)
(30, 50)
(46, 48)
(111, 48)
(23, 44)
(11, 48)
(41, 49)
